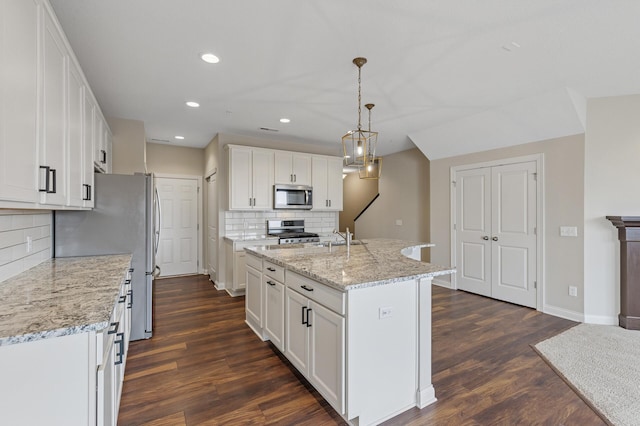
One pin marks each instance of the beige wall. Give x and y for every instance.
(612, 150)
(175, 160)
(128, 145)
(357, 194)
(564, 201)
(404, 195)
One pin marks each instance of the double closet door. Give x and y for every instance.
(495, 228)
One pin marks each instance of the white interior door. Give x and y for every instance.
(496, 243)
(212, 231)
(473, 230)
(178, 247)
(513, 244)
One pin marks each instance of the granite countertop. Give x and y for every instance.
(60, 297)
(376, 262)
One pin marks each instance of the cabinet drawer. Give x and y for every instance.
(327, 296)
(254, 261)
(274, 271)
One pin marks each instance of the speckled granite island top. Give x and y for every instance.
(376, 262)
(60, 297)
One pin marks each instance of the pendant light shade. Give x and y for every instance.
(357, 144)
(372, 166)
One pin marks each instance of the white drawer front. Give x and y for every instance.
(327, 296)
(274, 271)
(254, 261)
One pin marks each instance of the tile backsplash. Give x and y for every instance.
(250, 224)
(16, 227)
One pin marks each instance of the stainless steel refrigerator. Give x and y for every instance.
(125, 219)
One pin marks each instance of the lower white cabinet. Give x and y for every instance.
(274, 296)
(253, 294)
(235, 271)
(315, 346)
(68, 380)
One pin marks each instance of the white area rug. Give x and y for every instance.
(602, 363)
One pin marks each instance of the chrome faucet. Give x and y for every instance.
(347, 237)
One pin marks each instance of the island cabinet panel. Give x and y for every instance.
(315, 337)
(273, 290)
(253, 296)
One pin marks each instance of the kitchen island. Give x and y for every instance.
(357, 326)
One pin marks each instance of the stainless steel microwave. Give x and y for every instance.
(293, 197)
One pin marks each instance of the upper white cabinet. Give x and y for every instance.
(46, 147)
(19, 100)
(102, 143)
(326, 179)
(250, 178)
(292, 168)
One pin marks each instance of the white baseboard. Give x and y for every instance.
(442, 283)
(601, 319)
(234, 293)
(218, 285)
(563, 313)
(426, 396)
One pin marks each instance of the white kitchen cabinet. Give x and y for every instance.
(274, 301)
(88, 108)
(53, 146)
(45, 157)
(315, 342)
(292, 168)
(253, 294)
(326, 179)
(250, 178)
(235, 269)
(102, 141)
(19, 101)
(75, 133)
(68, 380)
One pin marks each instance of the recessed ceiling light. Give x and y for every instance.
(285, 120)
(210, 58)
(179, 137)
(193, 104)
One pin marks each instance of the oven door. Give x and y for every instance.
(296, 197)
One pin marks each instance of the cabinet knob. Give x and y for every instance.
(495, 238)
(486, 238)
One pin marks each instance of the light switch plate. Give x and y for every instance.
(568, 231)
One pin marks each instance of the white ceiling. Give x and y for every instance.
(438, 71)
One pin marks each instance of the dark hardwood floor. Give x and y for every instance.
(204, 366)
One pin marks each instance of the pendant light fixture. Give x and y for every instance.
(356, 144)
(372, 166)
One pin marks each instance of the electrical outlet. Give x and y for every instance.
(573, 291)
(29, 244)
(385, 312)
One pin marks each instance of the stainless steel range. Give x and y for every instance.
(290, 232)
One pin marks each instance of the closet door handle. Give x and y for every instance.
(486, 238)
(494, 238)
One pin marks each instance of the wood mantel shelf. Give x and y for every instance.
(629, 236)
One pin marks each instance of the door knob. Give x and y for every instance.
(485, 238)
(495, 238)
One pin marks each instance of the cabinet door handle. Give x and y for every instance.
(304, 308)
(53, 191)
(120, 353)
(122, 299)
(271, 283)
(103, 160)
(254, 202)
(308, 322)
(295, 178)
(495, 238)
(290, 178)
(329, 203)
(130, 294)
(115, 326)
(46, 179)
(271, 269)
(85, 197)
(304, 287)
